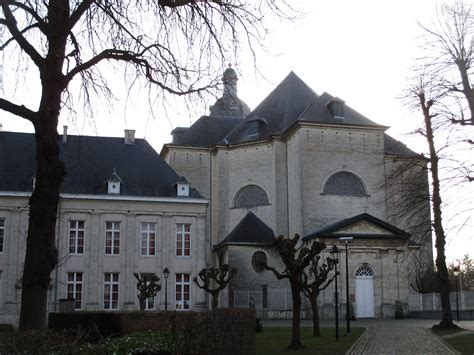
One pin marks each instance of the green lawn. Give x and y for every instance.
(459, 339)
(275, 341)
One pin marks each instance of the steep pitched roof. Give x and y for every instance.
(290, 102)
(394, 147)
(336, 230)
(251, 230)
(90, 161)
(206, 131)
(281, 108)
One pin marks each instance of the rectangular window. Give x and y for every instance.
(76, 237)
(183, 291)
(148, 240)
(2, 233)
(112, 238)
(183, 239)
(74, 288)
(111, 290)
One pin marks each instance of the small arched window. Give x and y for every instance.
(250, 196)
(364, 271)
(344, 183)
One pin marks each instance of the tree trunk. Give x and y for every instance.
(215, 300)
(41, 253)
(314, 309)
(296, 330)
(441, 269)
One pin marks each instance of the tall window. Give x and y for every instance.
(183, 291)
(2, 233)
(183, 239)
(76, 237)
(112, 238)
(148, 238)
(74, 288)
(111, 290)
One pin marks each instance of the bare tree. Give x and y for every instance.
(296, 257)
(170, 43)
(426, 97)
(214, 280)
(315, 281)
(147, 286)
(451, 56)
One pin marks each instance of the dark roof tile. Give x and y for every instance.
(90, 161)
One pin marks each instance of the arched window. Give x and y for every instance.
(249, 196)
(259, 260)
(344, 183)
(364, 271)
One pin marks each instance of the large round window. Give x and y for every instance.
(259, 260)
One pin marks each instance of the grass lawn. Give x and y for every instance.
(460, 339)
(275, 341)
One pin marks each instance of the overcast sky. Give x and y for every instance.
(360, 51)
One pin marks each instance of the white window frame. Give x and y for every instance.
(147, 238)
(181, 234)
(75, 235)
(2, 234)
(112, 233)
(183, 287)
(111, 287)
(75, 287)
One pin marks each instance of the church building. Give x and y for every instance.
(308, 164)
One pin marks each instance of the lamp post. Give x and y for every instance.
(335, 256)
(166, 273)
(347, 240)
(456, 272)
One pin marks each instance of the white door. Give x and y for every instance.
(365, 292)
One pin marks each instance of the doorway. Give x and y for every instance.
(364, 292)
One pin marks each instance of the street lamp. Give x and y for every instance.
(456, 273)
(347, 240)
(335, 257)
(166, 273)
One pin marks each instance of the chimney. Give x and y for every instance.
(64, 134)
(129, 136)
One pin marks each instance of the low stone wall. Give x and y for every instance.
(222, 331)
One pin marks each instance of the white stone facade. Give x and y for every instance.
(92, 262)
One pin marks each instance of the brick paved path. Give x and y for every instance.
(399, 340)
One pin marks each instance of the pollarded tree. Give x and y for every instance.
(147, 286)
(296, 257)
(172, 44)
(214, 280)
(314, 281)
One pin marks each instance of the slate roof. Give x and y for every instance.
(331, 231)
(90, 161)
(206, 131)
(291, 102)
(251, 230)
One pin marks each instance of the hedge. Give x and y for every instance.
(221, 331)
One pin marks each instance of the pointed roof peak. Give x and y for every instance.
(251, 230)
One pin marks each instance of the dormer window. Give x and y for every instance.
(336, 108)
(113, 184)
(253, 128)
(255, 125)
(182, 187)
